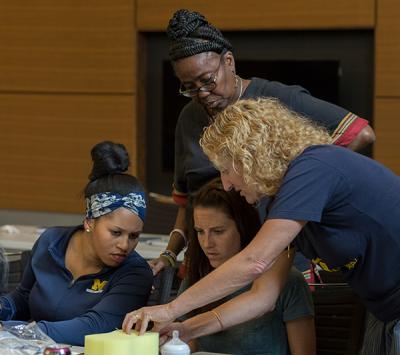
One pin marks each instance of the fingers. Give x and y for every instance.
(144, 323)
(130, 319)
(156, 265)
(152, 263)
(160, 315)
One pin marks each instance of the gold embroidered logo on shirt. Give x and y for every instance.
(350, 265)
(97, 286)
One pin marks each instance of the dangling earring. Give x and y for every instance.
(87, 230)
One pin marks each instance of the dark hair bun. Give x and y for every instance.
(183, 23)
(108, 158)
(190, 33)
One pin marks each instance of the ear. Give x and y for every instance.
(88, 224)
(229, 60)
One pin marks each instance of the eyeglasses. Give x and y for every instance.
(209, 86)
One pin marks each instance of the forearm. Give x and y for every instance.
(262, 296)
(176, 243)
(203, 324)
(73, 331)
(15, 305)
(260, 299)
(241, 269)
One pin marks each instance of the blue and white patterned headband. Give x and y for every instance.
(107, 202)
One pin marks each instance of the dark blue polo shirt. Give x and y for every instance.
(67, 309)
(352, 205)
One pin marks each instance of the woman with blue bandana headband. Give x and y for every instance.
(84, 279)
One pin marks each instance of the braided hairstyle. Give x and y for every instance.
(189, 33)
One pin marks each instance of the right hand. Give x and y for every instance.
(161, 315)
(158, 264)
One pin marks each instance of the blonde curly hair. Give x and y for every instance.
(261, 138)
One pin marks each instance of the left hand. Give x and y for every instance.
(161, 315)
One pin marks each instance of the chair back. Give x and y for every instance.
(339, 319)
(166, 285)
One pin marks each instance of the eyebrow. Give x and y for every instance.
(213, 227)
(124, 230)
(197, 78)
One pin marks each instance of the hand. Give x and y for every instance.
(158, 264)
(166, 332)
(161, 316)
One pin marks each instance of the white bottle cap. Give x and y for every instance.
(175, 346)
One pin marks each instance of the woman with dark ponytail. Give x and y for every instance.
(83, 279)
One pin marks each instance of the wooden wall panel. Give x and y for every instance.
(45, 143)
(387, 128)
(387, 84)
(262, 15)
(387, 74)
(67, 46)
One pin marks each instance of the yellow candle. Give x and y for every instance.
(120, 343)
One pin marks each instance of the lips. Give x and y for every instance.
(212, 255)
(118, 258)
(211, 104)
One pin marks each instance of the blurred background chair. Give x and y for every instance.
(3, 271)
(339, 317)
(165, 286)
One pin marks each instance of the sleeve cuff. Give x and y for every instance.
(7, 309)
(348, 129)
(179, 198)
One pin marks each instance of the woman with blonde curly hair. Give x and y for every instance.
(278, 135)
(340, 208)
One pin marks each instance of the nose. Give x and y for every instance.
(123, 243)
(226, 182)
(207, 241)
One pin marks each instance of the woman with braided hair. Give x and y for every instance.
(203, 61)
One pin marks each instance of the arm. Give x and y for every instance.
(301, 336)
(175, 244)
(297, 309)
(15, 305)
(347, 129)
(243, 268)
(130, 291)
(259, 256)
(251, 304)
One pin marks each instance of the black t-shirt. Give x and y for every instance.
(192, 167)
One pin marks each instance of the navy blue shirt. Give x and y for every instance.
(352, 205)
(67, 309)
